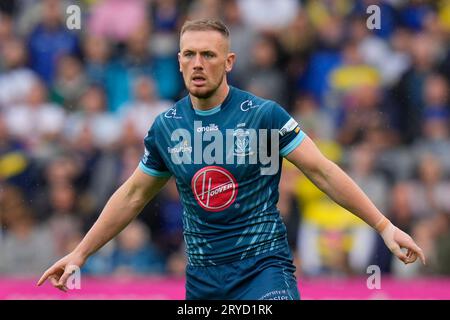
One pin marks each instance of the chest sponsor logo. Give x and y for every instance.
(181, 148)
(247, 105)
(209, 128)
(214, 188)
(211, 145)
(172, 114)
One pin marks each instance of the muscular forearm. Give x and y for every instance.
(118, 212)
(343, 190)
(328, 177)
(123, 206)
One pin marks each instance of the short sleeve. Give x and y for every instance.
(152, 163)
(290, 133)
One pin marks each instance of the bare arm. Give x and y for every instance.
(333, 181)
(123, 206)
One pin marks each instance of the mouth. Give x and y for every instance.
(198, 80)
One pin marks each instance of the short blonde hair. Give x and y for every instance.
(204, 25)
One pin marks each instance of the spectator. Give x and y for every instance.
(264, 78)
(16, 80)
(138, 61)
(362, 114)
(323, 60)
(408, 91)
(242, 40)
(93, 116)
(435, 133)
(204, 9)
(436, 96)
(378, 53)
(15, 164)
(145, 106)
(135, 254)
(265, 15)
(97, 52)
(70, 82)
(442, 246)
(317, 122)
(427, 191)
(6, 29)
(166, 15)
(65, 220)
(49, 40)
(26, 247)
(131, 17)
(97, 171)
(45, 120)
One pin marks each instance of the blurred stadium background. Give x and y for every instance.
(76, 104)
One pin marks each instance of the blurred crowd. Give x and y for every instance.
(75, 106)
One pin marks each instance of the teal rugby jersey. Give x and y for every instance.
(227, 166)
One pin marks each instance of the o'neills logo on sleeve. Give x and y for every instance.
(214, 188)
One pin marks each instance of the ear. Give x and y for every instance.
(229, 63)
(179, 62)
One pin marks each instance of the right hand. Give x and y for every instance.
(61, 271)
(395, 239)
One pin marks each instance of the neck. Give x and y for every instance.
(208, 103)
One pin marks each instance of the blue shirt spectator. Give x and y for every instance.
(46, 46)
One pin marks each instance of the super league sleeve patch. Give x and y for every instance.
(289, 126)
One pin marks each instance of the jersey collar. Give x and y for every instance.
(214, 110)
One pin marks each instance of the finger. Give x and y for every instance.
(411, 256)
(409, 253)
(56, 284)
(46, 275)
(67, 273)
(400, 254)
(53, 281)
(421, 255)
(63, 288)
(416, 250)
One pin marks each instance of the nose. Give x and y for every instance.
(198, 63)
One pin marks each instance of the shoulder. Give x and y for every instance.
(269, 111)
(171, 113)
(249, 102)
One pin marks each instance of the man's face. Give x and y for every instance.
(204, 60)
